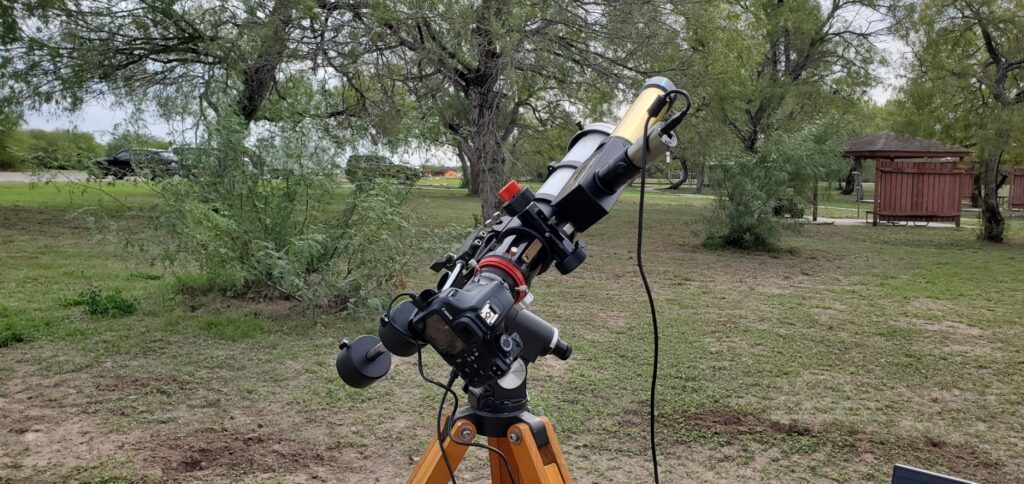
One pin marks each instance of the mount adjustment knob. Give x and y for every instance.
(518, 202)
(572, 261)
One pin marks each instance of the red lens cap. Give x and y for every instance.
(509, 190)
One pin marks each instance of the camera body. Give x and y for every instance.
(467, 327)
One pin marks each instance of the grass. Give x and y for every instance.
(856, 348)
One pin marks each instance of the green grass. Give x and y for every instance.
(856, 348)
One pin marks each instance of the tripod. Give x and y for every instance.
(501, 415)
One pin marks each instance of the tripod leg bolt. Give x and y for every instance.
(515, 437)
(466, 434)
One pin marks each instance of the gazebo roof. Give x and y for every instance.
(891, 145)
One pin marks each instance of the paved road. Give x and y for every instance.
(57, 176)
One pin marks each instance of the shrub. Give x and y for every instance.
(52, 150)
(259, 215)
(11, 333)
(135, 139)
(102, 305)
(753, 188)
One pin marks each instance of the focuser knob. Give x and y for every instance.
(573, 260)
(519, 202)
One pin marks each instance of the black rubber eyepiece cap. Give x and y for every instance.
(562, 350)
(394, 330)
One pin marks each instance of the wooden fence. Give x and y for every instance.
(967, 184)
(1017, 189)
(917, 191)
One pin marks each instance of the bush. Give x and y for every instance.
(49, 150)
(258, 216)
(102, 305)
(753, 188)
(12, 149)
(11, 333)
(134, 139)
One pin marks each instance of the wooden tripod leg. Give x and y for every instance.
(545, 465)
(431, 468)
(499, 475)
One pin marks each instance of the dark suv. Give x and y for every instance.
(148, 163)
(376, 166)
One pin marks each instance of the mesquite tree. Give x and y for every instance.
(483, 70)
(767, 71)
(969, 59)
(258, 81)
(191, 57)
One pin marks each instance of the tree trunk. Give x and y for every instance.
(976, 192)
(484, 147)
(474, 181)
(261, 74)
(851, 179)
(698, 177)
(467, 173)
(993, 222)
(684, 173)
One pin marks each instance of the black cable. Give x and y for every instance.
(504, 458)
(650, 297)
(449, 422)
(392, 302)
(441, 434)
(440, 409)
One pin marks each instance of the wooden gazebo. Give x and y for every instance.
(916, 180)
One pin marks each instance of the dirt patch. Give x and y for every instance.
(951, 327)
(219, 450)
(927, 450)
(135, 383)
(935, 305)
(52, 423)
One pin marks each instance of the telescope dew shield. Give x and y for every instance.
(597, 184)
(631, 126)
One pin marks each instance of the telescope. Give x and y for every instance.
(477, 317)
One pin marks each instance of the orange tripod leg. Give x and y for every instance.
(535, 465)
(499, 474)
(431, 468)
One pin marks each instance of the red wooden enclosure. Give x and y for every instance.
(917, 191)
(967, 184)
(1017, 190)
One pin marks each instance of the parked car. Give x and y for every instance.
(377, 166)
(148, 163)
